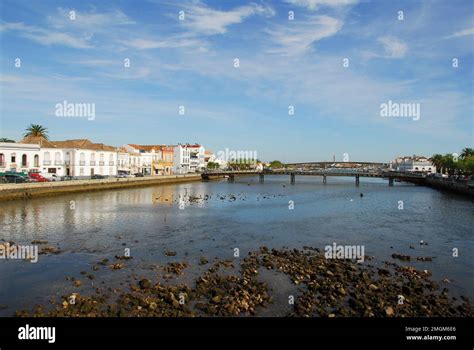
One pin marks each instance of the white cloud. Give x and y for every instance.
(91, 21)
(144, 44)
(394, 47)
(315, 4)
(293, 40)
(464, 32)
(205, 20)
(48, 37)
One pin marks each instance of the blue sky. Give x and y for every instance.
(190, 62)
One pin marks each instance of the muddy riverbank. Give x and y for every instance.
(321, 288)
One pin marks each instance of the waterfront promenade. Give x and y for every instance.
(29, 190)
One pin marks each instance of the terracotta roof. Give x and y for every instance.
(38, 140)
(147, 148)
(84, 144)
(79, 143)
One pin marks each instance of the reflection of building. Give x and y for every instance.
(163, 195)
(413, 164)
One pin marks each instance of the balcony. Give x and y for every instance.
(46, 162)
(92, 162)
(25, 165)
(67, 162)
(101, 163)
(3, 164)
(58, 162)
(82, 162)
(111, 163)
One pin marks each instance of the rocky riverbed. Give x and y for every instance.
(315, 287)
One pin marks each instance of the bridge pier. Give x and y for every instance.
(324, 179)
(261, 178)
(292, 177)
(390, 181)
(231, 178)
(357, 180)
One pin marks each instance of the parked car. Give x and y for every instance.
(14, 178)
(123, 175)
(139, 175)
(52, 177)
(37, 177)
(98, 177)
(3, 180)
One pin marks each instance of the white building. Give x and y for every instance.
(181, 158)
(145, 159)
(79, 158)
(413, 164)
(19, 157)
(197, 155)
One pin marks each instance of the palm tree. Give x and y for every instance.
(437, 160)
(37, 131)
(6, 139)
(466, 153)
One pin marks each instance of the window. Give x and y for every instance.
(2, 159)
(24, 160)
(13, 159)
(57, 157)
(82, 157)
(81, 171)
(46, 156)
(36, 161)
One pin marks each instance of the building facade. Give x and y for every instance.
(181, 158)
(79, 158)
(197, 156)
(413, 164)
(18, 157)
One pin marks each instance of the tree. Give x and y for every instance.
(466, 153)
(276, 164)
(437, 160)
(6, 139)
(212, 165)
(37, 131)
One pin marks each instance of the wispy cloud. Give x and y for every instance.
(175, 42)
(48, 37)
(293, 40)
(78, 33)
(315, 4)
(464, 32)
(202, 19)
(394, 47)
(92, 21)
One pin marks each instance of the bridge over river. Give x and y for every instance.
(389, 175)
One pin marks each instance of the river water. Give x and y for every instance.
(246, 214)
